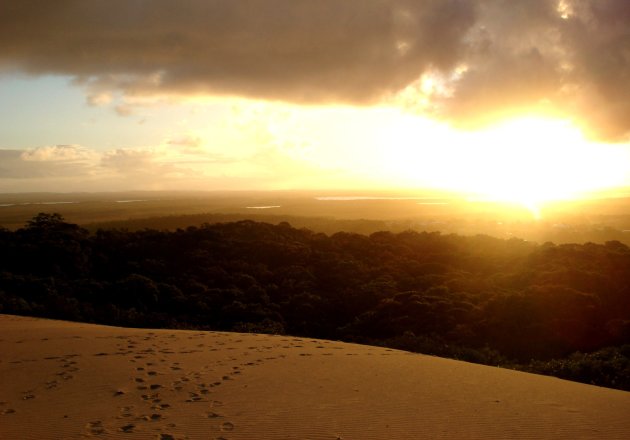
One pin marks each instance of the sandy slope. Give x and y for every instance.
(62, 380)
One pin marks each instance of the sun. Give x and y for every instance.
(536, 160)
(528, 161)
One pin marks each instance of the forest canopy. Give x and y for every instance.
(558, 309)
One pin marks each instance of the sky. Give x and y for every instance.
(522, 100)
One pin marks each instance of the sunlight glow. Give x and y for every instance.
(564, 9)
(529, 161)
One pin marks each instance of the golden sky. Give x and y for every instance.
(519, 100)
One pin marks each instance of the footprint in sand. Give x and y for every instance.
(152, 418)
(126, 411)
(150, 396)
(194, 397)
(227, 426)
(127, 428)
(95, 427)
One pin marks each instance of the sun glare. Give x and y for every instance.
(531, 161)
(527, 161)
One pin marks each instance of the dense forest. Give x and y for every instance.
(554, 309)
(600, 230)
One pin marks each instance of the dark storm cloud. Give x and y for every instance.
(599, 43)
(571, 56)
(512, 60)
(299, 50)
(511, 55)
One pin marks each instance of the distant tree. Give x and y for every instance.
(51, 245)
(45, 221)
(54, 225)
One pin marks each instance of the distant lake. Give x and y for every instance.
(263, 207)
(345, 198)
(36, 203)
(420, 200)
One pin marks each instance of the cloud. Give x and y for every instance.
(492, 58)
(50, 161)
(133, 160)
(569, 57)
(99, 99)
(188, 143)
(66, 168)
(298, 50)
(162, 161)
(166, 166)
(58, 153)
(123, 110)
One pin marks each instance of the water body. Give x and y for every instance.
(419, 200)
(36, 203)
(131, 201)
(347, 198)
(263, 207)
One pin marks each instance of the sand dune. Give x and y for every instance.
(61, 380)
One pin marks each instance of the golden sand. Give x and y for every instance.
(62, 380)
